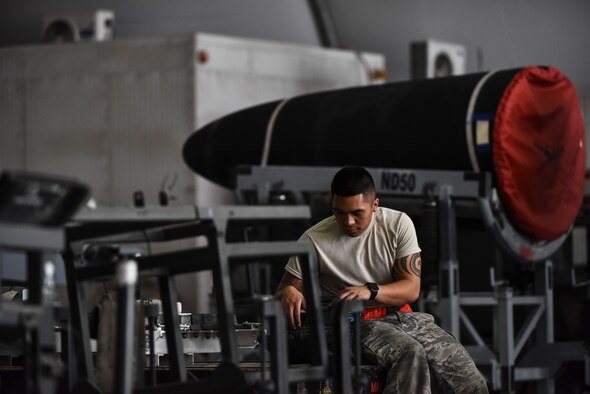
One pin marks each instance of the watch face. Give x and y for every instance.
(374, 290)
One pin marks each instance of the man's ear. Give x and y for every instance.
(375, 204)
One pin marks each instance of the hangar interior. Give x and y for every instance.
(159, 162)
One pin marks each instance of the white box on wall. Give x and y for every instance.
(434, 58)
(96, 26)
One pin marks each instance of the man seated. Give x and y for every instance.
(371, 253)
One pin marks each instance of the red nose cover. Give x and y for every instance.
(539, 152)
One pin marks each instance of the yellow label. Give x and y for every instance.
(482, 132)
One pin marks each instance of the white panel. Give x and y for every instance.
(67, 120)
(116, 57)
(114, 115)
(152, 116)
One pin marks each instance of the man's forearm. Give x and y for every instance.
(398, 293)
(288, 280)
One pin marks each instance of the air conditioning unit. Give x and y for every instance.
(432, 58)
(97, 26)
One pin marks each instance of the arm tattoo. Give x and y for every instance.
(409, 264)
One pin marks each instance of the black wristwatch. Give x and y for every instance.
(374, 289)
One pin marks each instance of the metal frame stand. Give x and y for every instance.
(502, 356)
(216, 256)
(538, 363)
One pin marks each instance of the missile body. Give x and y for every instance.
(523, 125)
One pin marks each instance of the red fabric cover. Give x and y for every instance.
(539, 152)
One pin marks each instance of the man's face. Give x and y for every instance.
(354, 213)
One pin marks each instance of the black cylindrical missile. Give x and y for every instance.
(523, 125)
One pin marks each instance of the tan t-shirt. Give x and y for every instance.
(352, 261)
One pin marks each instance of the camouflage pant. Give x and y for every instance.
(413, 350)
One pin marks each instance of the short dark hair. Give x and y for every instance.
(352, 180)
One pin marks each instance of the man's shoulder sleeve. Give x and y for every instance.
(293, 265)
(407, 239)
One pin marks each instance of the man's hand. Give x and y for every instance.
(292, 300)
(352, 293)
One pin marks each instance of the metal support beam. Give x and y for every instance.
(448, 259)
(504, 333)
(342, 371)
(173, 339)
(126, 283)
(324, 23)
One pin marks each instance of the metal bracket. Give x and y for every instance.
(575, 282)
(496, 283)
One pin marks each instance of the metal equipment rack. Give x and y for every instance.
(31, 324)
(542, 361)
(153, 225)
